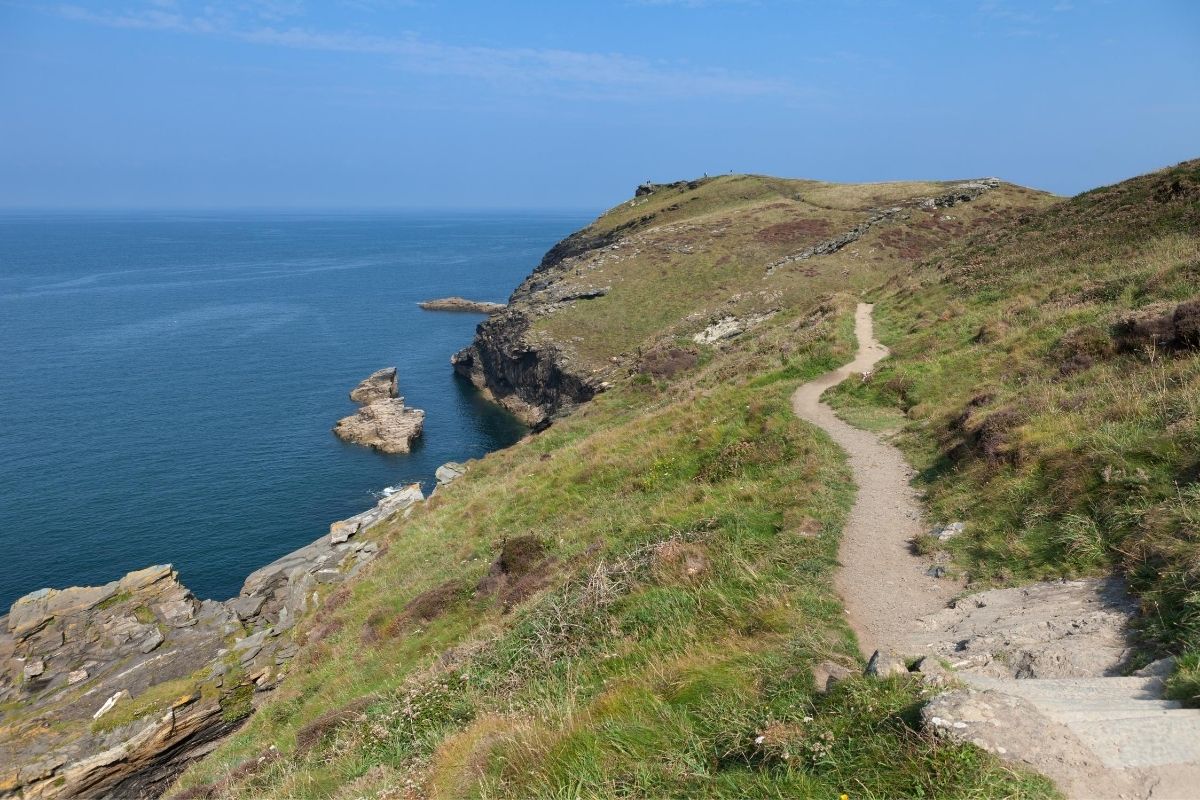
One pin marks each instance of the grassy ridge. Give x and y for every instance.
(1069, 444)
(690, 254)
(626, 605)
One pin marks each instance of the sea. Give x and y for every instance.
(168, 381)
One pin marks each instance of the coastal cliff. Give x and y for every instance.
(704, 259)
(715, 281)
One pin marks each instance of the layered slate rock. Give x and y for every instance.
(78, 660)
(383, 422)
(111, 691)
(462, 304)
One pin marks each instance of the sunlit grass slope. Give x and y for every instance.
(626, 605)
(1048, 379)
(691, 252)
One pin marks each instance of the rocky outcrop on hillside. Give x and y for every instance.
(462, 304)
(111, 691)
(536, 379)
(383, 422)
(963, 192)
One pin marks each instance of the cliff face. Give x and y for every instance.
(533, 381)
(532, 376)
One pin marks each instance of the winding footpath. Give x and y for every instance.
(1097, 736)
(882, 582)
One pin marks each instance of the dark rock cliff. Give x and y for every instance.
(533, 377)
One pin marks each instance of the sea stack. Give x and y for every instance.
(383, 422)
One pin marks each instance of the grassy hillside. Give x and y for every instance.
(619, 607)
(1047, 378)
(629, 604)
(698, 251)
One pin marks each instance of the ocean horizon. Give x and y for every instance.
(171, 377)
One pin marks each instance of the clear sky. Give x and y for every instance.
(569, 104)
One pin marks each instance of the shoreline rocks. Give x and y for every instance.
(78, 716)
(383, 422)
(462, 305)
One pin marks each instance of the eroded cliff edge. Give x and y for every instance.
(536, 377)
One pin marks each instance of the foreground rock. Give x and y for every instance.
(463, 305)
(1059, 629)
(383, 422)
(1038, 678)
(111, 691)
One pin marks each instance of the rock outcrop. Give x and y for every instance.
(383, 422)
(462, 304)
(533, 378)
(959, 193)
(111, 691)
(728, 327)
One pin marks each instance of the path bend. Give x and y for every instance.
(882, 582)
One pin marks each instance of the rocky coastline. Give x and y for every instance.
(111, 691)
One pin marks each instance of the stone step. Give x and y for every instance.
(1172, 737)
(1143, 711)
(1071, 694)
(1124, 721)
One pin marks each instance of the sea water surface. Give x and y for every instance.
(168, 381)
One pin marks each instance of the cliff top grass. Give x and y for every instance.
(625, 605)
(695, 252)
(1048, 385)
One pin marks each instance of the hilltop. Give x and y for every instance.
(717, 255)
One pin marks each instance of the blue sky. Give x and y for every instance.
(569, 104)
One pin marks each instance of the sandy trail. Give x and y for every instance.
(1098, 737)
(881, 581)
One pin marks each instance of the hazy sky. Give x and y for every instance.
(569, 104)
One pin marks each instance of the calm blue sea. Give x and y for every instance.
(168, 381)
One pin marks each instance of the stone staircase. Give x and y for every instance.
(1123, 721)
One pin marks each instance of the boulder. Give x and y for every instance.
(342, 530)
(449, 472)
(885, 664)
(828, 673)
(945, 533)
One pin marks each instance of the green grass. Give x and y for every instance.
(694, 254)
(1065, 454)
(690, 532)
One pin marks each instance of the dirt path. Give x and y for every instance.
(1040, 663)
(881, 581)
